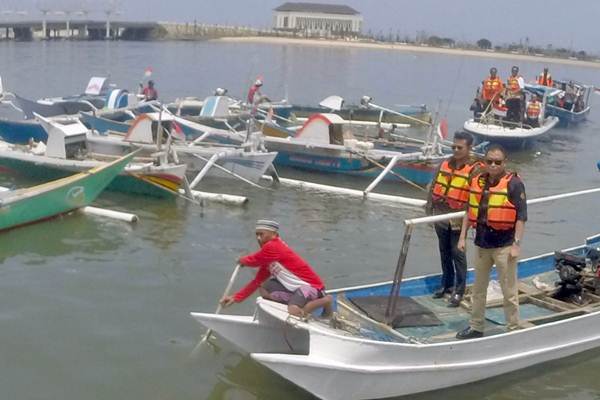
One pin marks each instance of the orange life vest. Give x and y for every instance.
(513, 87)
(452, 185)
(491, 86)
(545, 82)
(534, 108)
(501, 213)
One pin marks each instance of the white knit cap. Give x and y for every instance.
(267, 225)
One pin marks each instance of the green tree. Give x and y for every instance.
(484, 44)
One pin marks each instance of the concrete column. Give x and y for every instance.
(107, 28)
(44, 28)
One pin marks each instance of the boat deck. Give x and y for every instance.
(536, 307)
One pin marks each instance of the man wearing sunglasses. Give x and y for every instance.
(497, 210)
(450, 193)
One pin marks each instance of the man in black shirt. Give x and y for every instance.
(498, 210)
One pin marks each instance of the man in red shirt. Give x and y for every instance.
(149, 92)
(282, 276)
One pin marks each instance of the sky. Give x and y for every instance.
(568, 24)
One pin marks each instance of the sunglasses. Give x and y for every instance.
(455, 147)
(496, 162)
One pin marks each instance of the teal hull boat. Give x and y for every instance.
(28, 205)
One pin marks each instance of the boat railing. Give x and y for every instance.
(491, 119)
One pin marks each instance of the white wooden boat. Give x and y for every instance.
(510, 136)
(248, 163)
(365, 353)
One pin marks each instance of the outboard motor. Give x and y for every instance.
(570, 285)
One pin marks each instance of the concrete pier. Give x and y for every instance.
(79, 29)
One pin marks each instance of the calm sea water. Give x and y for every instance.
(95, 309)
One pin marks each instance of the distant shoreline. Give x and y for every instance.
(408, 48)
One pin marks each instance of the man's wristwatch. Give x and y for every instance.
(517, 242)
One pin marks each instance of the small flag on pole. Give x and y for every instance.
(442, 130)
(177, 132)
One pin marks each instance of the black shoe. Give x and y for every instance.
(438, 294)
(455, 300)
(468, 333)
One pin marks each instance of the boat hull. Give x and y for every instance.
(45, 169)
(57, 197)
(511, 138)
(337, 161)
(20, 132)
(567, 117)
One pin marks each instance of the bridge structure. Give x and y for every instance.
(77, 29)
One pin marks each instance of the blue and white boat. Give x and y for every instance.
(392, 338)
(570, 101)
(97, 95)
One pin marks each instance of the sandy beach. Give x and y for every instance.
(411, 48)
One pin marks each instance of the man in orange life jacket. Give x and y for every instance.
(498, 211)
(491, 88)
(514, 96)
(545, 79)
(449, 192)
(534, 109)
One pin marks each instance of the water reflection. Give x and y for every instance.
(244, 379)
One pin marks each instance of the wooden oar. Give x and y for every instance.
(236, 270)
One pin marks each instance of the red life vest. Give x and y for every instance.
(534, 108)
(491, 86)
(501, 213)
(452, 185)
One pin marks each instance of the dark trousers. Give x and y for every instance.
(454, 261)
(514, 110)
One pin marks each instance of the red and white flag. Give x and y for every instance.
(176, 131)
(148, 72)
(442, 129)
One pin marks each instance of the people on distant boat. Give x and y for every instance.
(491, 89)
(579, 104)
(477, 107)
(560, 100)
(282, 276)
(449, 192)
(570, 95)
(545, 79)
(149, 93)
(497, 210)
(514, 96)
(533, 111)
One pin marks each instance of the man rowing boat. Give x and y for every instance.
(282, 276)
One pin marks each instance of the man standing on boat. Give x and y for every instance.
(491, 90)
(545, 79)
(149, 93)
(498, 211)
(449, 192)
(514, 96)
(282, 276)
(533, 111)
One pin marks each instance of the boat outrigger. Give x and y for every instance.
(382, 345)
